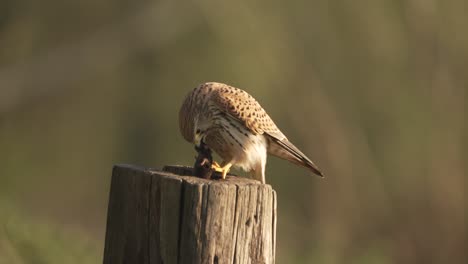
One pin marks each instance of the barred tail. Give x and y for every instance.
(286, 150)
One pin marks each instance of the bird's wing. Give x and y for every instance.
(241, 106)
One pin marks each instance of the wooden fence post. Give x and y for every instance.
(167, 217)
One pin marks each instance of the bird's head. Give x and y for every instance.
(198, 137)
(200, 128)
(190, 126)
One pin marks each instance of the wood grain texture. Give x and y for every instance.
(166, 216)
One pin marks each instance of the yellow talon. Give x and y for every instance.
(223, 170)
(215, 165)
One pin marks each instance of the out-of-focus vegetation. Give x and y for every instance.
(374, 91)
(26, 241)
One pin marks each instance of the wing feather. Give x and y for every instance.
(245, 109)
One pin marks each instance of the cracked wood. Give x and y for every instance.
(165, 216)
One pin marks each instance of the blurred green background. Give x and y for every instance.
(375, 92)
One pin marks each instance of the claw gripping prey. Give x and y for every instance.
(205, 165)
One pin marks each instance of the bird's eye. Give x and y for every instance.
(198, 131)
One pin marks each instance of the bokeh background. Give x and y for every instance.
(375, 92)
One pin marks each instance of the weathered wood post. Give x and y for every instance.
(167, 217)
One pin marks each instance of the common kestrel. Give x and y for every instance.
(232, 123)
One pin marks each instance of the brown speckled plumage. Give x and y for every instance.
(233, 124)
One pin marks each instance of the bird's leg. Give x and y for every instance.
(224, 169)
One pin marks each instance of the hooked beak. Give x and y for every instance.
(197, 139)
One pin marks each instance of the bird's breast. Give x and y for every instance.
(236, 144)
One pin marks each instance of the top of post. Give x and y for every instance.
(184, 173)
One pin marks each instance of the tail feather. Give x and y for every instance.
(286, 150)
